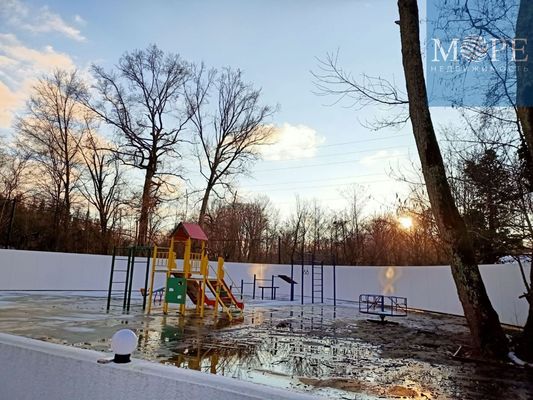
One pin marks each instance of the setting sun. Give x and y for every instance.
(406, 222)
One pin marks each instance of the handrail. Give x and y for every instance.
(231, 294)
(226, 275)
(218, 300)
(233, 284)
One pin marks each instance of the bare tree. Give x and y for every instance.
(357, 199)
(104, 184)
(297, 227)
(483, 321)
(143, 100)
(230, 132)
(49, 133)
(13, 163)
(331, 79)
(524, 111)
(507, 20)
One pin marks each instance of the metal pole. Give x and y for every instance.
(322, 282)
(279, 249)
(303, 246)
(148, 257)
(242, 287)
(111, 280)
(302, 288)
(313, 279)
(334, 283)
(131, 278)
(292, 279)
(127, 281)
(253, 295)
(272, 289)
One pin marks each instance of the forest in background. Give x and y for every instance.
(68, 186)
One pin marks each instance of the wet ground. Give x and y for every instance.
(334, 352)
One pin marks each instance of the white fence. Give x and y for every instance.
(39, 370)
(429, 288)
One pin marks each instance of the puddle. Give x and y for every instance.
(327, 351)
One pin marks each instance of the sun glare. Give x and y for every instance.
(406, 222)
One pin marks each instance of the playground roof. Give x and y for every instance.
(186, 230)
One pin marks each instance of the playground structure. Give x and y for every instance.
(383, 306)
(308, 265)
(123, 262)
(191, 278)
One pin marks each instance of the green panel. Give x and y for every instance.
(176, 292)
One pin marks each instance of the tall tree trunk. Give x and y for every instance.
(146, 205)
(104, 236)
(524, 30)
(525, 347)
(485, 328)
(205, 202)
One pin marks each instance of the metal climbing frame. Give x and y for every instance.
(121, 276)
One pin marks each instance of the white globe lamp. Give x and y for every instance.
(123, 343)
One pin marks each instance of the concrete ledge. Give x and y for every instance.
(32, 369)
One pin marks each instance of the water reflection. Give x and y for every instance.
(331, 351)
(266, 342)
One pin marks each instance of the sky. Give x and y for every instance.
(322, 149)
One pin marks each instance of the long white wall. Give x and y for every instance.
(32, 369)
(429, 288)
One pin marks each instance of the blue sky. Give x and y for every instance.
(274, 42)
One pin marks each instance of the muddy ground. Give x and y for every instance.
(334, 352)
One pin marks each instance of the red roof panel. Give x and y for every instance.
(188, 230)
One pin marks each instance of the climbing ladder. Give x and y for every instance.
(317, 280)
(123, 263)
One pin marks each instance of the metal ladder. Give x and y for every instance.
(317, 280)
(123, 262)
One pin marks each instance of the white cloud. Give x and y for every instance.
(291, 142)
(381, 157)
(42, 20)
(79, 20)
(20, 66)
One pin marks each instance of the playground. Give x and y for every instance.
(311, 326)
(330, 351)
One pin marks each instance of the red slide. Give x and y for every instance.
(193, 288)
